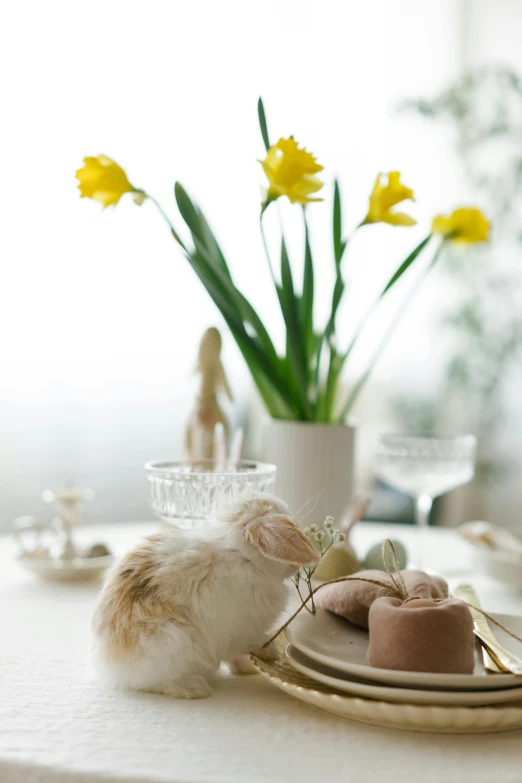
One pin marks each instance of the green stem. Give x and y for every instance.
(331, 385)
(384, 342)
(285, 625)
(317, 375)
(267, 253)
(167, 220)
(339, 287)
(374, 305)
(325, 400)
(295, 348)
(306, 304)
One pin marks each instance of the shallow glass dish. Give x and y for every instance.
(186, 493)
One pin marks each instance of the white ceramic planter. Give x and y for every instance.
(311, 459)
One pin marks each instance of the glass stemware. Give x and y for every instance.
(425, 467)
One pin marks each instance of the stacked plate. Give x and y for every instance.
(325, 664)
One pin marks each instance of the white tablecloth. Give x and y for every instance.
(57, 725)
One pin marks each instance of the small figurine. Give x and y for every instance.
(68, 501)
(49, 550)
(200, 440)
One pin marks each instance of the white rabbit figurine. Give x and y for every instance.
(182, 602)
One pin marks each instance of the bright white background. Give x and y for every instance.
(99, 313)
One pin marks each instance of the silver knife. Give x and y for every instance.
(499, 658)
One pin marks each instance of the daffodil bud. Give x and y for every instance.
(139, 197)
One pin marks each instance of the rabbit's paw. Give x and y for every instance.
(192, 686)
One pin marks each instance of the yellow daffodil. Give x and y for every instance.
(388, 191)
(103, 180)
(290, 171)
(465, 225)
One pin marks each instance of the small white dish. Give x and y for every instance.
(504, 569)
(374, 690)
(496, 551)
(61, 570)
(500, 566)
(334, 642)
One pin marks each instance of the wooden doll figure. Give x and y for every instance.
(199, 439)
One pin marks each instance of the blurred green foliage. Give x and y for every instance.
(482, 322)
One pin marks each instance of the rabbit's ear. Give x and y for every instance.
(279, 539)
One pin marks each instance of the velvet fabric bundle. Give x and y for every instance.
(421, 635)
(353, 600)
(413, 624)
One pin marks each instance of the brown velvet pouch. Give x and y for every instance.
(353, 599)
(421, 636)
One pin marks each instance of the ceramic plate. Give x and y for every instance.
(334, 642)
(374, 690)
(410, 717)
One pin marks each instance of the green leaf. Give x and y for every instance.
(248, 313)
(405, 265)
(276, 406)
(261, 343)
(262, 123)
(252, 353)
(177, 238)
(352, 397)
(187, 210)
(328, 394)
(287, 282)
(208, 247)
(391, 282)
(294, 337)
(211, 243)
(258, 350)
(307, 299)
(338, 243)
(336, 300)
(332, 383)
(339, 247)
(317, 373)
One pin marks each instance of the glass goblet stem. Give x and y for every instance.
(423, 504)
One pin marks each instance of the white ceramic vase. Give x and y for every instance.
(312, 460)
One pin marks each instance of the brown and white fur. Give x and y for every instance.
(182, 602)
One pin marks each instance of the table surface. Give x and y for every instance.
(58, 725)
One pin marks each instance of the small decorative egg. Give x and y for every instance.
(340, 560)
(98, 550)
(373, 557)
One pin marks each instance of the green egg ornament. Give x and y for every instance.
(373, 559)
(340, 560)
